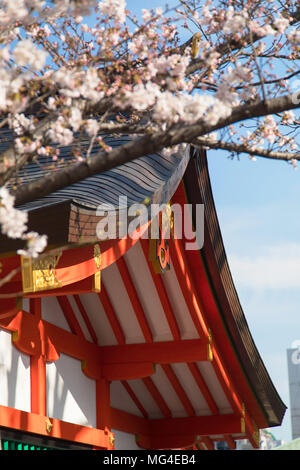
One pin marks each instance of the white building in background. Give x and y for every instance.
(293, 359)
(267, 442)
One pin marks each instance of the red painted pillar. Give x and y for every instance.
(38, 367)
(103, 408)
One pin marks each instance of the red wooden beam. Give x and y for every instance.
(155, 393)
(164, 442)
(161, 290)
(85, 286)
(86, 319)
(10, 307)
(134, 398)
(203, 388)
(127, 422)
(134, 299)
(111, 316)
(36, 424)
(127, 355)
(158, 352)
(172, 427)
(70, 316)
(179, 389)
(196, 425)
(131, 371)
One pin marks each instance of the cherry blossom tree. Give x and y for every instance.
(218, 74)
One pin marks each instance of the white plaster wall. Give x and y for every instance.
(125, 441)
(52, 313)
(71, 395)
(14, 375)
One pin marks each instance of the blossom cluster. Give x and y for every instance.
(13, 224)
(66, 79)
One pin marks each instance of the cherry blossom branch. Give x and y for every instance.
(154, 142)
(243, 148)
(231, 44)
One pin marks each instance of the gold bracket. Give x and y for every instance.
(159, 248)
(210, 354)
(97, 275)
(111, 440)
(49, 425)
(243, 424)
(256, 434)
(39, 274)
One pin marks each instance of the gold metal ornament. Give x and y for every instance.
(49, 425)
(111, 440)
(243, 423)
(256, 435)
(97, 275)
(210, 354)
(39, 274)
(159, 248)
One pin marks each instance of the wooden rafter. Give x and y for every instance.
(70, 315)
(162, 293)
(181, 393)
(134, 398)
(86, 319)
(157, 396)
(111, 316)
(134, 299)
(207, 395)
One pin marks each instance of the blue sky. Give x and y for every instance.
(259, 214)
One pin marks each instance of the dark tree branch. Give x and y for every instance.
(147, 144)
(242, 148)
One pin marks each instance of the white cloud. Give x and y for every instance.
(275, 267)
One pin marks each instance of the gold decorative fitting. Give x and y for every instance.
(97, 275)
(49, 425)
(243, 426)
(111, 440)
(210, 354)
(97, 256)
(256, 435)
(39, 274)
(159, 249)
(14, 336)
